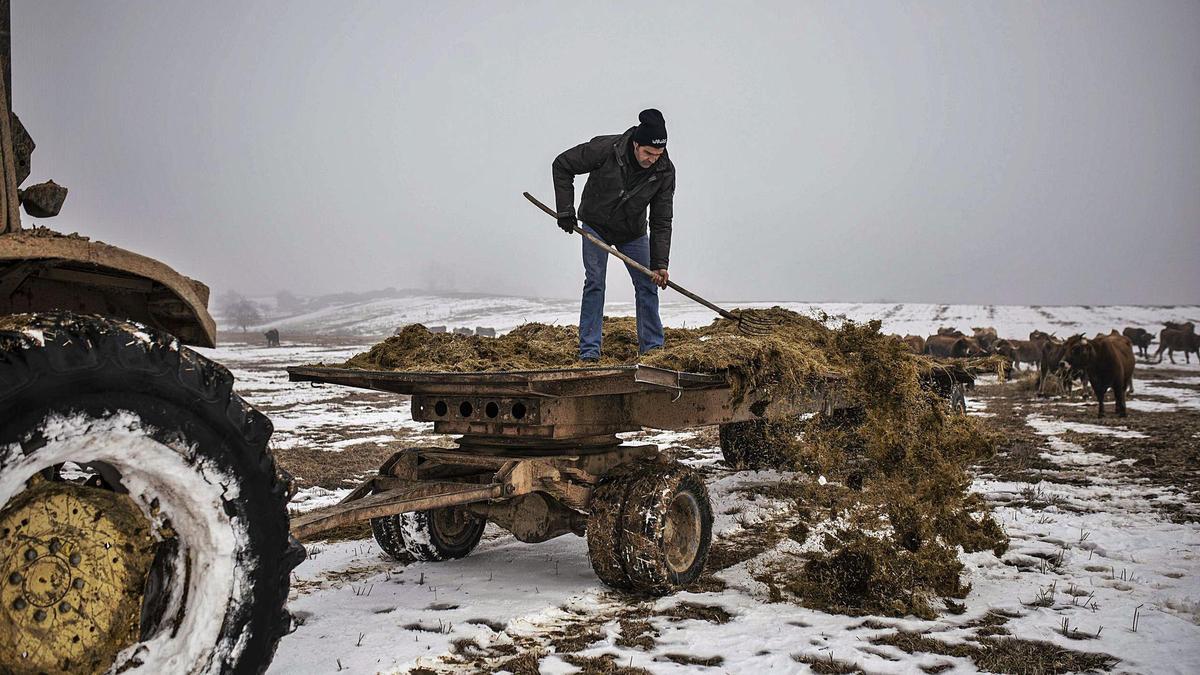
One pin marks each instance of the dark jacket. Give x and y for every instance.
(611, 208)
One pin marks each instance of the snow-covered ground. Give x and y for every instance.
(1093, 550)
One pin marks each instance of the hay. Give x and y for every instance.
(888, 546)
(796, 351)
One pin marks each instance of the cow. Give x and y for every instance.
(1007, 349)
(463, 331)
(1172, 340)
(916, 343)
(953, 332)
(1188, 327)
(1108, 363)
(987, 338)
(952, 346)
(484, 331)
(1141, 338)
(1051, 363)
(272, 337)
(1027, 351)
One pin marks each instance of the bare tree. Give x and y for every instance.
(242, 312)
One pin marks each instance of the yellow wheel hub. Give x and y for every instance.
(73, 565)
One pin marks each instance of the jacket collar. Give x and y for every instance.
(620, 150)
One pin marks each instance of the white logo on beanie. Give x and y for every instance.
(659, 141)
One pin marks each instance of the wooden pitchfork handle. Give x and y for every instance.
(630, 261)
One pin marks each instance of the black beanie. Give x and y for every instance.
(652, 130)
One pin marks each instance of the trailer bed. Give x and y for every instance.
(588, 405)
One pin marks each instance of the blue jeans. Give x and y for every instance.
(591, 310)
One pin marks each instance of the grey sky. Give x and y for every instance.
(996, 152)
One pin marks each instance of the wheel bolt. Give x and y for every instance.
(55, 545)
(39, 615)
(31, 555)
(64, 607)
(77, 584)
(19, 603)
(75, 558)
(15, 578)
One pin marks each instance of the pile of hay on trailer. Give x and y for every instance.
(884, 532)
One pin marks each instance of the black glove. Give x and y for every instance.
(567, 223)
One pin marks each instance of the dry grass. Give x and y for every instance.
(605, 664)
(692, 610)
(1005, 654)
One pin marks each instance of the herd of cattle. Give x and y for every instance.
(1102, 362)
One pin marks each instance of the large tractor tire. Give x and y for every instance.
(431, 536)
(650, 527)
(143, 524)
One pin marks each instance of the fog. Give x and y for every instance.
(1016, 153)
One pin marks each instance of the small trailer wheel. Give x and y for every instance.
(387, 534)
(651, 528)
(430, 536)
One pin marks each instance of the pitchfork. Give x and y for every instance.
(747, 323)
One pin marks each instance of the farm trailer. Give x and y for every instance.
(538, 455)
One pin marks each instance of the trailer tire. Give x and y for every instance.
(161, 422)
(429, 536)
(386, 531)
(651, 528)
(604, 535)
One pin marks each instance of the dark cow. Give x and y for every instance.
(1141, 338)
(1007, 349)
(1052, 364)
(1027, 351)
(1173, 340)
(987, 338)
(954, 332)
(272, 337)
(952, 346)
(1188, 327)
(1108, 363)
(916, 343)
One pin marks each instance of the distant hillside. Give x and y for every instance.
(381, 312)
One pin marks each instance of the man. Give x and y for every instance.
(627, 174)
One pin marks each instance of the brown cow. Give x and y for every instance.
(1172, 340)
(952, 346)
(1027, 351)
(1053, 365)
(915, 343)
(987, 338)
(1187, 327)
(1108, 363)
(1141, 338)
(954, 332)
(1007, 349)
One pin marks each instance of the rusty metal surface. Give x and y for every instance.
(545, 383)
(533, 410)
(408, 496)
(42, 271)
(405, 484)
